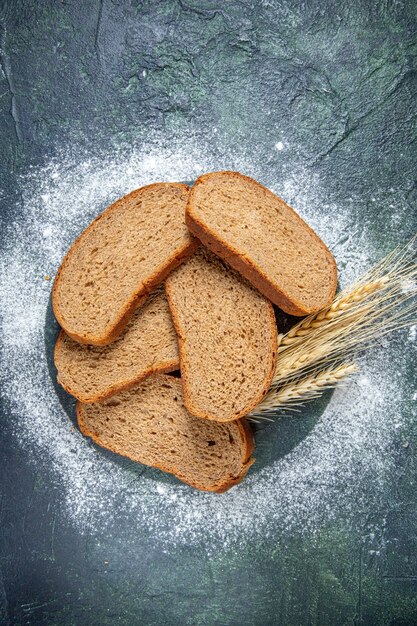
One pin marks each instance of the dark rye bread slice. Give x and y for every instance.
(148, 345)
(227, 338)
(150, 424)
(119, 259)
(264, 239)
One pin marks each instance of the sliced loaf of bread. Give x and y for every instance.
(148, 345)
(150, 424)
(119, 259)
(227, 338)
(264, 239)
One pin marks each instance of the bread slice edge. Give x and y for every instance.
(221, 487)
(138, 298)
(164, 367)
(245, 266)
(185, 373)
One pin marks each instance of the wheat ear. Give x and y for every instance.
(387, 276)
(341, 305)
(380, 302)
(303, 389)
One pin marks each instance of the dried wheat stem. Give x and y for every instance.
(382, 301)
(304, 389)
(340, 343)
(325, 343)
(341, 305)
(387, 279)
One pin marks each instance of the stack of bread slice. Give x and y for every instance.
(174, 279)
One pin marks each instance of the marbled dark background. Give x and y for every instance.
(341, 79)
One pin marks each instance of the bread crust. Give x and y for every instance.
(136, 299)
(221, 487)
(185, 374)
(246, 266)
(161, 368)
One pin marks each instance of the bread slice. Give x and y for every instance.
(150, 424)
(148, 345)
(264, 239)
(119, 259)
(227, 338)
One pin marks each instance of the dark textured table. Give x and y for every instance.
(318, 101)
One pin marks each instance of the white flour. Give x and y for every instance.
(340, 466)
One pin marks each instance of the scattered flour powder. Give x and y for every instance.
(332, 473)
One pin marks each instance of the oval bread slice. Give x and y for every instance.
(264, 239)
(119, 259)
(150, 424)
(227, 338)
(148, 345)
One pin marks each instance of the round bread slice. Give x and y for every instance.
(119, 259)
(149, 424)
(264, 239)
(227, 338)
(148, 345)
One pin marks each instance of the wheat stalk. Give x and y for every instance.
(340, 306)
(313, 355)
(303, 389)
(386, 277)
(336, 342)
(380, 302)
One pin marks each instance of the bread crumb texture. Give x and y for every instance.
(264, 239)
(148, 344)
(118, 259)
(227, 337)
(150, 424)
